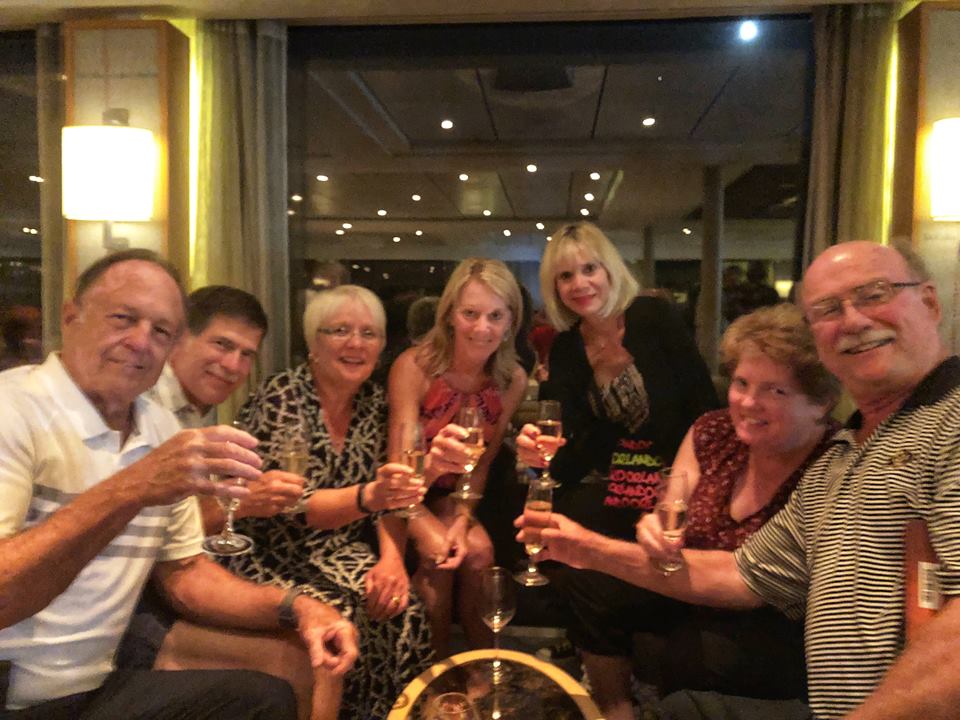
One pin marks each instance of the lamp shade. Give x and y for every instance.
(108, 172)
(944, 164)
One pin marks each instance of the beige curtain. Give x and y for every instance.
(853, 46)
(242, 173)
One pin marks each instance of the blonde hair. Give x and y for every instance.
(435, 353)
(780, 333)
(325, 303)
(588, 239)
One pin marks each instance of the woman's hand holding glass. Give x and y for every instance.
(274, 492)
(392, 490)
(661, 533)
(532, 443)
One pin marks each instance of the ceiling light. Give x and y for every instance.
(588, 197)
(464, 177)
(584, 212)
(291, 211)
(34, 231)
(540, 226)
(687, 231)
(507, 233)
(659, 78)
(649, 121)
(531, 168)
(366, 268)
(549, 238)
(347, 226)
(594, 176)
(486, 213)
(415, 197)
(432, 268)
(35, 178)
(446, 124)
(418, 233)
(396, 238)
(381, 212)
(338, 231)
(748, 30)
(322, 178)
(355, 266)
(386, 276)
(297, 198)
(26, 229)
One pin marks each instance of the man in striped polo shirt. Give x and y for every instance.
(96, 496)
(834, 554)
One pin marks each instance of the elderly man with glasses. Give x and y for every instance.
(835, 554)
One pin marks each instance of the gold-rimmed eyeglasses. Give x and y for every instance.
(869, 295)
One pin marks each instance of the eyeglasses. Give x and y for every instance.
(345, 332)
(870, 295)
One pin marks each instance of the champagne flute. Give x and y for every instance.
(227, 542)
(672, 514)
(295, 457)
(550, 425)
(469, 419)
(536, 516)
(498, 604)
(414, 455)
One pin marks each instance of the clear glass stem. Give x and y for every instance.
(497, 672)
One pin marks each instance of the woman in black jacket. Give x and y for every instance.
(630, 382)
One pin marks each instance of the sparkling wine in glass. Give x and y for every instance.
(469, 419)
(451, 706)
(550, 425)
(414, 456)
(295, 456)
(536, 516)
(498, 604)
(672, 514)
(228, 542)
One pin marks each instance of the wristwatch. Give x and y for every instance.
(286, 617)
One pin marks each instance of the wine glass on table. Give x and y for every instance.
(451, 706)
(414, 456)
(498, 604)
(295, 456)
(550, 425)
(536, 516)
(672, 514)
(469, 419)
(228, 542)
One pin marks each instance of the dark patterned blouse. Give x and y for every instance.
(723, 459)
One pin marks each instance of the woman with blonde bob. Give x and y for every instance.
(467, 358)
(630, 382)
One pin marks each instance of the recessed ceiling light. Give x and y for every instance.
(507, 233)
(594, 176)
(659, 78)
(748, 30)
(347, 226)
(432, 268)
(531, 168)
(381, 212)
(549, 238)
(338, 231)
(486, 213)
(366, 268)
(35, 178)
(687, 231)
(649, 121)
(291, 211)
(297, 198)
(322, 178)
(464, 177)
(584, 212)
(540, 226)
(418, 233)
(386, 276)
(396, 238)
(26, 230)
(446, 124)
(588, 197)
(415, 197)
(355, 266)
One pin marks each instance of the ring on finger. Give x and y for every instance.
(395, 600)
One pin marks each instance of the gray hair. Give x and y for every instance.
(322, 307)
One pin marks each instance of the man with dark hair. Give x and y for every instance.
(834, 556)
(96, 497)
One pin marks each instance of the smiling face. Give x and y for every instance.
(880, 350)
(211, 365)
(117, 335)
(768, 409)
(583, 284)
(480, 320)
(348, 361)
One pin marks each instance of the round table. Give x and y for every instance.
(530, 689)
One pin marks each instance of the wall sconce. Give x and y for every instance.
(944, 163)
(109, 174)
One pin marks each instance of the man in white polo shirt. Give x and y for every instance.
(96, 489)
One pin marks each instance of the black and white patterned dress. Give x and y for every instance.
(331, 564)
